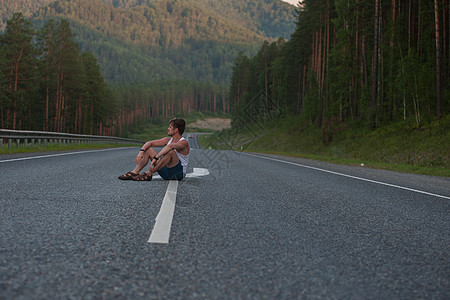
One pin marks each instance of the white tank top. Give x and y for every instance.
(184, 159)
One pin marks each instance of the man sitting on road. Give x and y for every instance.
(170, 163)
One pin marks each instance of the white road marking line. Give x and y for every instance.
(198, 172)
(350, 176)
(60, 154)
(161, 231)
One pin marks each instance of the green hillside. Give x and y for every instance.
(26, 7)
(142, 41)
(267, 17)
(154, 42)
(271, 18)
(159, 58)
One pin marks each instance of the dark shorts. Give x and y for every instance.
(175, 173)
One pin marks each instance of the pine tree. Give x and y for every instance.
(438, 61)
(19, 68)
(45, 44)
(66, 64)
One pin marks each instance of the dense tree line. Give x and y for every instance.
(164, 99)
(48, 83)
(364, 61)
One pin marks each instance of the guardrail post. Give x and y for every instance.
(1, 143)
(9, 144)
(18, 143)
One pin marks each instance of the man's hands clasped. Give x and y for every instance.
(139, 157)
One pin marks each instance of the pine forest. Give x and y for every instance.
(100, 67)
(366, 62)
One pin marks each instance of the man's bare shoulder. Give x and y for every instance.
(181, 145)
(185, 143)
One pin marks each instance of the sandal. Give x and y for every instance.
(128, 176)
(143, 177)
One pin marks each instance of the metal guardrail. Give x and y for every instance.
(43, 138)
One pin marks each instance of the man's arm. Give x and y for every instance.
(156, 143)
(179, 146)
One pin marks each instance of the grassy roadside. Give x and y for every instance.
(398, 147)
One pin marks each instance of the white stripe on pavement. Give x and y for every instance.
(198, 172)
(349, 176)
(161, 230)
(60, 154)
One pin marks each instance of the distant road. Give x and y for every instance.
(256, 227)
(192, 138)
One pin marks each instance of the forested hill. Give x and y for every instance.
(26, 7)
(165, 23)
(123, 61)
(144, 40)
(270, 18)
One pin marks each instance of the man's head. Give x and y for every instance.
(178, 123)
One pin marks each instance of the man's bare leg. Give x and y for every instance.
(149, 154)
(170, 160)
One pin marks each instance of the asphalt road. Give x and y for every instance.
(256, 227)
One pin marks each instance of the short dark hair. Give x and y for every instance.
(178, 123)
